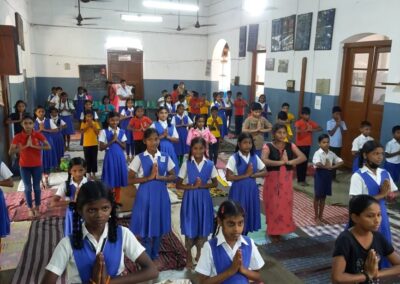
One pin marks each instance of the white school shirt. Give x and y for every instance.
(392, 147)
(358, 186)
(125, 93)
(320, 156)
(232, 162)
(227, 103)
(173, 122)
(183, 174)
(95, 117)
(336, 139)
(262, 106)
(55, 100)
(68, 105)
(123, 112)
(164, 125)
(103, 135)
(52, 123)
(136, 164)
(54, 119)
(81, 96)
(62, 188)
(63, 255)
(185, 105)
(206, 264)
(169, 107)
(5, 172)
(359, 142)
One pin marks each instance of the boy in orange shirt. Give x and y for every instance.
(304, 130)
(240, 105)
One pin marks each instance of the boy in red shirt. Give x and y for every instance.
(304, 129)
(138, 124)
(239, 104)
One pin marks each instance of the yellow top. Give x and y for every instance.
(288, 126)
(215, 126)
(89, 136)
(204, 107)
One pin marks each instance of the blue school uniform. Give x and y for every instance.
(80, 105)
(85, 257)
(374, 189)
(115, 171)
(124, 125)
(246, 192)
(68, 224)
(222, 261)
(49, 157)
(394, 170)
(322, 183)
(222, 115)
(58, 141)
(181, 148)
(151, 212)
(197, 213)
(356, 161)
(166, 146)
(4, 218)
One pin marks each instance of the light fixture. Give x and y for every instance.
(141, 18)
(164, 5)
(255, 7)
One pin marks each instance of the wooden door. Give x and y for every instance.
(127, 65)
(365, 67)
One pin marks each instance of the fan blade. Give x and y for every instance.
(91, 18)
(208, 25)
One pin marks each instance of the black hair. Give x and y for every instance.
(181, 97)
(278, 126)
(195, 94)
(36, 109)
(53, 108)
(112, 114)
(88, 101)
(336, 109)
(229, 92)
(90, 192)
(17, 103)
(103, 99)
(122, 81)
(228, 208)
(322, 137)
(59, 88)
(197, 140)
(80, 88)
(27, 116)
(262, 95)
(77, 161)
(282, 115)
(148, 132)
(368, 147)
(179, 105)
(365, 123)
(129, 100)
(159, 110)
(175, 86)
(197, 117)
(395, 128)
(136, 109)
(305, 110)
(241, 137)
(359, 204)
(285, 105)
(255, 106)
(238, 93)
(213, 108)
(53, 88)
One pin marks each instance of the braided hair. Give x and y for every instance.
(90, 192)
(77, 161)
(228, 208)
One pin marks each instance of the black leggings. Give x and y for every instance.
(90, 153)
(213, 149)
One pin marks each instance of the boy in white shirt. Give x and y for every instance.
(392, 154)
(359, 141)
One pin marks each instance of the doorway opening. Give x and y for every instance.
(221, 66)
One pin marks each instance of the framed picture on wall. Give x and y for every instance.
(20, 30)
(324, 34)
(276, 35)
(283, 65)
(253, 38)
(270, 64)
(242, 41)
(303, 32)
(287, 37)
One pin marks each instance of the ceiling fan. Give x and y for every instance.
(80, 19)
(197, 24)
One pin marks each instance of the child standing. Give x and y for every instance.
(68, 191)
(197, 175)
(16, 117)
(358, 143)
(79, 101)
(304, 130)
(137, 125)
(95, 250)
(240, 105)
(228, 108)
(104, 109)
(214, 123)
(199, 129)
(360, 250)
(57, 136)
(126, 114)
(66, 108)
(168, 135)
(392, 154)
(290, 119)
(372, 180)
(336, 127)
(325, 161)
(194, 105)
(151, 213)
(182, 101)
(204, 105)
(112, 140)
(282, 118)
(279, 157)
(229, 257)
(220, 104)
(5, 180)
(29, 144)
(169, 105)
(88, 107)
(257, 125)
(90, 130)
(242, 169)
(264, 106)
(181, 122)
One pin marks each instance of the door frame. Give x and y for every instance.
(253, 84)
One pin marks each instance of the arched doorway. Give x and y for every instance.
(221, 66)
(365, 69)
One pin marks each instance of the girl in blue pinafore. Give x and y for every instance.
(46, 127)
(79, 101)
(5, 180)
(374, 181)
(219, 103)
(181, 122)
(151, 212)
(126, 114)
(112, 140)
(69, 189)
(58, 138)
(168, 135)
(242, 169)
(197, 213)
(229, 251)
